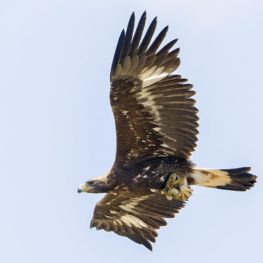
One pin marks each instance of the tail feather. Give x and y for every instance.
(238, 179)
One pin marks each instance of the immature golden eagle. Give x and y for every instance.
(156, 124)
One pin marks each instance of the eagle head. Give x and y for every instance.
(97, 185)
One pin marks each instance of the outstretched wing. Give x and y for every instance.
(136, 216)
(154, 112)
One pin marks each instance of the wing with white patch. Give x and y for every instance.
(153, 110)
(136, 216)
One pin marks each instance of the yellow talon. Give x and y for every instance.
(177, 188)
(184, 193)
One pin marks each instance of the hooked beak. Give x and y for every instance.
(85, 188)
(82, 188)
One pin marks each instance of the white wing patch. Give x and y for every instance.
(131, 220)
(128, 207)
(148, 100)
(151, 75)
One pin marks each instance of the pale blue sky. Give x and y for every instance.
(57, 129)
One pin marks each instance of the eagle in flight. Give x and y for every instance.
(156, 124)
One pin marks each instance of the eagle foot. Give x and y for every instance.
(177, 188)
(171, 194)
(184, 193)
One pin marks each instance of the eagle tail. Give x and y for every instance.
(238, 179)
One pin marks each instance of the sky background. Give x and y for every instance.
(57, 128)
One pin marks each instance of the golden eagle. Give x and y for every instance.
(156, 124)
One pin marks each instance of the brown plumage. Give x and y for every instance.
(163, 119)
(156, 125)
(133, 215)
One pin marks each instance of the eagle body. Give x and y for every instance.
(149, 175)
(156, 132)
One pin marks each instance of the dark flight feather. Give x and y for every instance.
(138, 35)
(118, 51)
(128, 37)
(157, 42)
(148, 37)
(166, 48)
